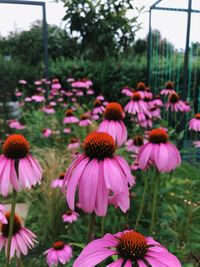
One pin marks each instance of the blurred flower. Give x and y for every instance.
(23, 82)
(16, 125)
(169, 89)
(194, 123)
(67, 130)
(58, 182)
(174, 103)
(127, 91)
(197, 144)
(16, 151)
(98, 173)
(60, 253)
(22, 238)
(90, 92)
(84, 120)
(157, 101)
(2, 215)
(113, 123)
(37, 83)
(70, 216)
(47, 132)
(130, 247)
(159, 152)
(134, 145)
(38, 98)
(48, 110)
(137, 105)
(98, 107)
(70, 118)
(74, 143)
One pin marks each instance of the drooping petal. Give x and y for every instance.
(88, 186)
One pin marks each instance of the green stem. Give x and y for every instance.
(91, 228)
(19, 262)
(142, 202)
(11, 225)
(102, 225)
(154, 204)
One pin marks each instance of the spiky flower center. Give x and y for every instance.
(62, 176)
(99, 146)
(97, 103)
(132, 246)
(136, 96)
(84, 117)
(113, 112)
(69, 113)
(16, 228)
(173, 98)
(73, 140)
(140, 86)
(197, 116)
(138, 140)
(169, 85)
(59, 245)
(158, 136)
(69, 212)
(16, 147)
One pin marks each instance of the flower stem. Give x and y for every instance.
(154, 204)
(11, 224)
(19, 262)
(142, 202)
(91, 227)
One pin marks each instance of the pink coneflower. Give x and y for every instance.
(70, 216)
(53, 104)
(127, 91)
(46, 132)
(98, 107)
(157, 101)
(55, 84)
(174, 103)
(159, 152)
(79, 93)
(2, 215)
(103, 174)
(147, 93)
(90, 92)
(16, 151)
(67, 130)
(131, 249)
(74, 144)
(197, 144)
(85, 120)
(58, 182)
(136, 105)
(38, 98)
(100, 97)
(22, 238)
(13, 124)
(48, 110)
(185, 106)
(70, 118)
(23, 82)
(60, 253)
(155, 112)
(37, 83)
(169, 89)
(141, 88)
(69, 94)
(194, 123)
(113, 123)
(134, 145)
(27, 99)
(18, 93)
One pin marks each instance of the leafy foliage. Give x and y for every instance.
(103, 27)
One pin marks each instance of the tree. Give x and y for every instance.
(103, 27)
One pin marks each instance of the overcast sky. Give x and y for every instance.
(171, 24)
